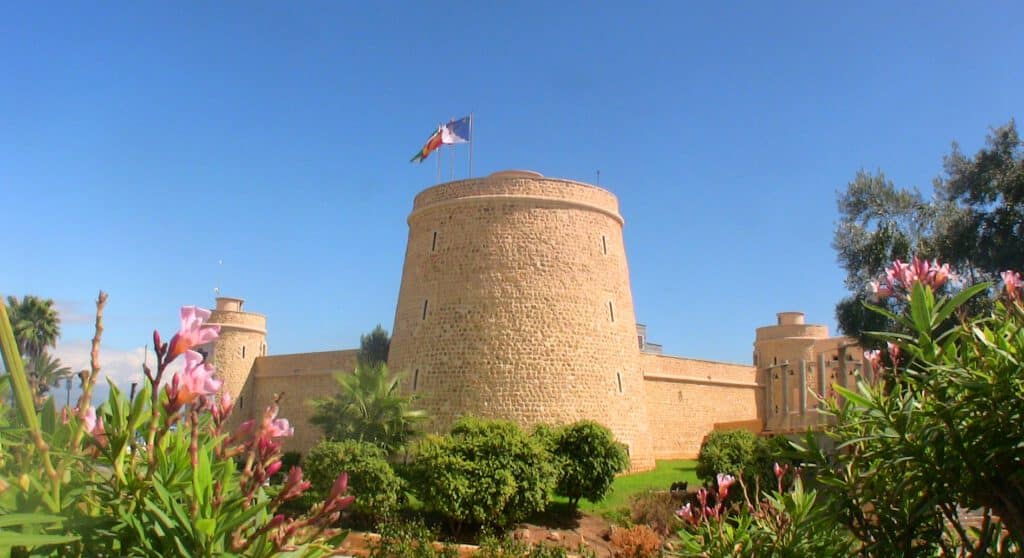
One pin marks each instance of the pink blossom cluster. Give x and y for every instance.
(710, 505)
(874, 357)
(1012, 285)
(900, 277)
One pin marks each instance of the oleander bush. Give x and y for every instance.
(160, 474)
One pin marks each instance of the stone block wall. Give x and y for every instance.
(515, 303)
(688, 398)
(297, 378)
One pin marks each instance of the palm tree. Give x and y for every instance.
(45, 371)
(369, 408)
(35, 322)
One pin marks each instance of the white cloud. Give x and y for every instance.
(122, 366)
(70, 312)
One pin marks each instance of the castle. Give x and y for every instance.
(515, 303)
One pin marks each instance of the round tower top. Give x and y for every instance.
(790, 318)
(229, 304)
(519, 185)
(516, 173)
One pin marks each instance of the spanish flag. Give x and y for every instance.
(433, 142)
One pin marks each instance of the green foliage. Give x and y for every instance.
(370, 478)
(374, 347)
(35, 323)
(942, 433)
(790, 524)
(369, 408)
(485, 472)
(974, 223)
(742, 454)
(731, 452)
(400, 539)
(589, 458)
(155, 476)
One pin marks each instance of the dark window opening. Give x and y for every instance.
(424, 310)
(433, 243)
(243, 351)
(604, 244)
(415, 379)
(618, 376)
(611, 311)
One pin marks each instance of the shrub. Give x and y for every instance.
(657, 510)
(403, 539)
(485, 472)
(157, 475)
(639, 541)
(730, 452)
(589, 458)
(370, 478)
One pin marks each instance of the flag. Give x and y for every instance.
(457, 131)
(433, 142)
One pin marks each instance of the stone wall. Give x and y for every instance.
(515, 303)
(242, 339)
(688, 398)
(297, 378)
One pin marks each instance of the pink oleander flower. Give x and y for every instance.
(724, 482)
(900, 277)
(274, 427)
(894, 354)
(780, 471)
(94, 426)
(1012, 284)
(193, 331)
(337, 500)
(294, 486)
(194, 381)
(874, 359)
(685, 513)
(274, 468)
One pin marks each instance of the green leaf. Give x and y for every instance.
(14, 519)
(31, 540)
(206, 526)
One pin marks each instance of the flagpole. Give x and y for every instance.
(439, 152)
(471, 145)
(451, 162)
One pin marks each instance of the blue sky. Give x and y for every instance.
(140, 143)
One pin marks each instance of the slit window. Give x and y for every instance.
(604, 244)
(618, 376)
(611, 311)
(243, 351)
(433, 243)
(424, 309)
(415, 379)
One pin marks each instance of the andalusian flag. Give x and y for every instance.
(433, 142)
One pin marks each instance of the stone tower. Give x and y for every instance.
(243, 337)
(515, 303)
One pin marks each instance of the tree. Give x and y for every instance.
(373, 347)
(981, 227)
(45, 371)
(368, 408)
(35, 322)
(974, 222)
(589, 458)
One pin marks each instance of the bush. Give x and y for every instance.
(370, 477)
(744, 455)
(589, 458)
(486, 472)
(731, 452)
(399, 539)
(638, 541)
(657, 510)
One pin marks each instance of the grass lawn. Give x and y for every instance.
(625, 486)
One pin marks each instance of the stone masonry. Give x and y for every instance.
(515, 303)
